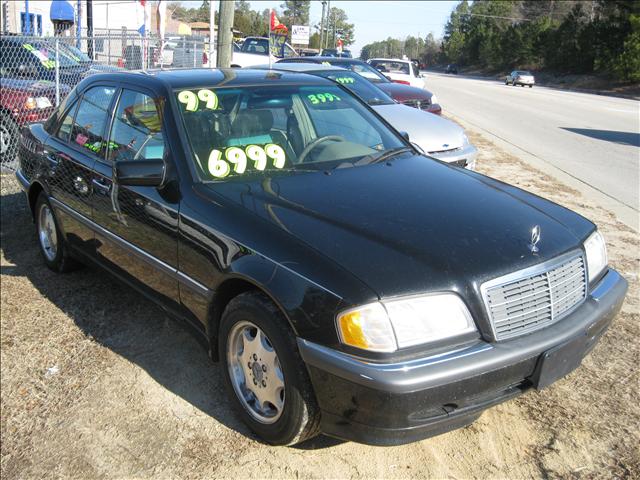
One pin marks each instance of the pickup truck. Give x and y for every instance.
(255, 51)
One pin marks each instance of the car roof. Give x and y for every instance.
(390, 60)
(196, 77)
(17, 38)
(320, 59)
(299, 67)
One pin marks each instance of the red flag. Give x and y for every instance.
(275, 23)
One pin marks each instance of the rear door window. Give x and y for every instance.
(88, 130)
(67, 122)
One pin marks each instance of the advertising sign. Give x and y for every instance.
(300, 34)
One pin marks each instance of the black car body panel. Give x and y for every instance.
(317, 243)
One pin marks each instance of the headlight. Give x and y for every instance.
(434, 99)
(596, 251)
(392, 324)
(37, 102)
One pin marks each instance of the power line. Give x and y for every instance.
(521, 19)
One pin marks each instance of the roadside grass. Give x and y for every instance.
(98, 382)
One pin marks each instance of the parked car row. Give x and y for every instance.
(347, 283)
(419, 98)
(27, 83)
(439, 138)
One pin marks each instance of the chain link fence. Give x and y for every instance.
(37, 73)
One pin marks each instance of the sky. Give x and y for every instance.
(377, 20)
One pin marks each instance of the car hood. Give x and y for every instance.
(402, 93)
(432, 133)
(33, 88)
(408, 225)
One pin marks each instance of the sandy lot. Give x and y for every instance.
(98, 382)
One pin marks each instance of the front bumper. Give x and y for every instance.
(463, 157)
(391, 404)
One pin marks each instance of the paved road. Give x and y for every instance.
(593, 139)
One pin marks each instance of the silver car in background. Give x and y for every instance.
(437, 137)
(520, 77)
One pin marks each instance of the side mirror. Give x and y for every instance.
(405, 135)
(142, 173)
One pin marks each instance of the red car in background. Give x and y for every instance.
(23, 101)
(405, 94)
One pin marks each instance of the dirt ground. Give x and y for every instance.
(98, 382)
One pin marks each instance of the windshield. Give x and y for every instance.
(46, 55)
(75, 53)
(367, 71)
(358, 85)
(389, 66)
(262, 130)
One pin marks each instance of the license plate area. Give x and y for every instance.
(559, 361)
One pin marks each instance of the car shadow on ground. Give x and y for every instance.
(613, 136)
(119, 318)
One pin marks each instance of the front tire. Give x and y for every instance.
(53, 247)
(264, 373)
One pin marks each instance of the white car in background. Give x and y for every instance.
(439, 138)
(399, 71)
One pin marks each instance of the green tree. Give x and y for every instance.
(295, 12)
(338, 22)
(627, 64)
(431, 50)
(455, 33)
(314, 40)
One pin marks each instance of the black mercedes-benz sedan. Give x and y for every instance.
(348, 284)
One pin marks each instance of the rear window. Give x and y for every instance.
(257, 46)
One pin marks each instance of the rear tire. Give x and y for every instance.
(265, 376)
(51, 242)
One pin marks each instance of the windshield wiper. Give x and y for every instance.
(378, 101)
(382, 156)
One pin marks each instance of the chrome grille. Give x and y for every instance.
(419, 104)
(534, 298)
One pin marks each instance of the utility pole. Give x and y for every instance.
(326, 37)
(324, 6)
(212, 30)
(90, 29)
(333, 22)
(225, 33)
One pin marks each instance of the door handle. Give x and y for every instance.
(100, 187)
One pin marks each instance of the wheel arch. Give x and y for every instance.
(226, 291)
(34, 191)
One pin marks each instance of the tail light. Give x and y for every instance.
(205, 58)
(403, 82)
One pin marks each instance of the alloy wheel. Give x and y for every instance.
(255, 372)
(47, 233)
